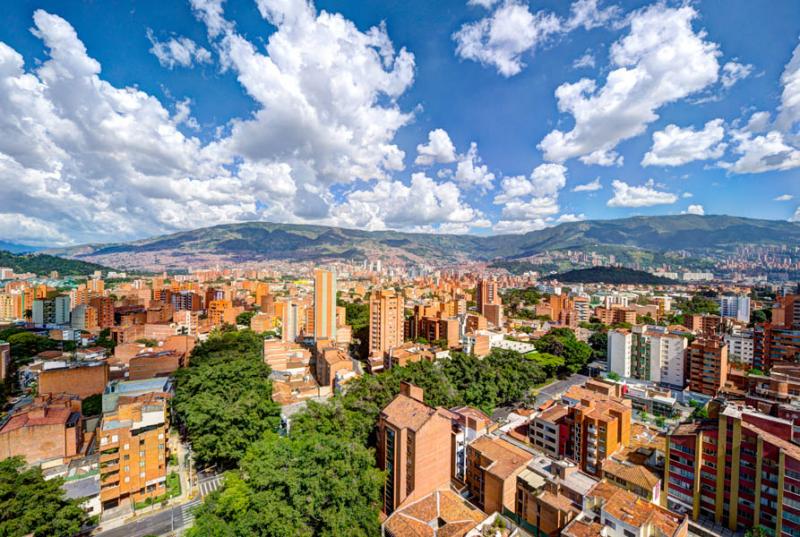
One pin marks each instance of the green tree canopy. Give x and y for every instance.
(26, 345)
(29, 505)
(224, 397)
(562, 342)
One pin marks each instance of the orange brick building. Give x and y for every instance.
(81, 379)
(414, 441)
(493, 465)
(50, 428)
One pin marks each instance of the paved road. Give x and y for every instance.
(161, 523)
(557, 388)
(209, 484)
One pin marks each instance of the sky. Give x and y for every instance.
(123, 119)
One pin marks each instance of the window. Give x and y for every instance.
(628, 533)
(610, 524)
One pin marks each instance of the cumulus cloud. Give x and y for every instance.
(486, 4)
(546, 181)
(661, 60)
(591, 186)
(502, 38)
(439, 149)
(586, 61)
(101, 162)
(675, 146)
(646, 195)
(784, 197)
(603, 157)
(471, 172)
(695, 209)
(796, 216)
(392, 204)
(763, 146)
(733, 72)
(519, 226)
(177, 51)
(569, 217)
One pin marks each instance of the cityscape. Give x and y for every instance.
(256, 278)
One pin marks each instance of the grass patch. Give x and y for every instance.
(173, 485)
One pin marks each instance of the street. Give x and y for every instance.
(161, 523)
(556, 388)
(208, 483)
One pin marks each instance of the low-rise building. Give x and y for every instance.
(50, 428)
(493, 465)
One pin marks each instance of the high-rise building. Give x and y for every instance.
(708, 365)
(487, 292)
(386, 321)
(737, 470)
(290, 322)
(105, 310)
(324, 304)
(648, 353)
(414, 448)
(735, 307)
(493, 465)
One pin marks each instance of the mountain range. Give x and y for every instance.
(636, 238)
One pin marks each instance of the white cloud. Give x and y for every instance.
(586, 14)
(586, 61)
(687, 195)
(732, 72)
(603, 157)
(784, 197)
(500, 39)
(661, 60)
(99, 162)
(763, 147)
(392, 204)
(675, 146)
(439, 149)
(486, 4)
(789, 111)
(591, 186)
(762, 153)
(796, 216)
(178, 51)
(695, 209)
(646, 195)
(569, 217)
(546, 181)
(519, 226)
(471, 173)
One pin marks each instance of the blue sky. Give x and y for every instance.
(128, 119)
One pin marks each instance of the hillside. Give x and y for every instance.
(613, 276)
(261, 241)
(44, 264)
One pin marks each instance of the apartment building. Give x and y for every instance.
(705, 324)
(493, 465)
(386, 321)
(645, 352)
(740, 346)
(708, 365)
(735, 307)
(414, 441)
(738, 470)
(324, 305)
(49, 428)
(549, 494)
(614, 512)
(773, 344)
(487, 293)
(132, 443)
(468, 425)
(81, 379)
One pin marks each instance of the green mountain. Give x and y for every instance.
(612, 275)
(637, 238)
(45, 264)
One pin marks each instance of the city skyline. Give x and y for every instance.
(149, 121)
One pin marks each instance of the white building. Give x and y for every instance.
(740, 346)
(648, 353)
(736, 307)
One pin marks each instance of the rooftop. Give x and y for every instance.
(407, 413)
(506, 457)
(440, 514)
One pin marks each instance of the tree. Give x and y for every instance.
(244, 318)
(92, 405)
(613, 376)
(29, 505)
(25, 345)
(598, 341)
(224, 397)
(550, 363)
(562, 342)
